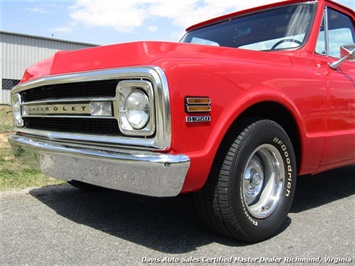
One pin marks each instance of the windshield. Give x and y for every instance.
(281, 28)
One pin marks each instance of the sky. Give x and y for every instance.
(105, 22)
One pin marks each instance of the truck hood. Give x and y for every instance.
(105, 57)
(128, 55)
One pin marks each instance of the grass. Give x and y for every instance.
(5, 119)
(15, 175)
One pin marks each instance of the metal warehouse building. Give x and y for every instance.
(18, 51)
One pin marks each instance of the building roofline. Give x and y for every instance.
(47, 38)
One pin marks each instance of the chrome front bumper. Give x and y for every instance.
(140, 172)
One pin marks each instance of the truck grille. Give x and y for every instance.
(86, 108)
(106, 88)
(74, 125)
(71, 93)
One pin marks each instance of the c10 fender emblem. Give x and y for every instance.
(195, 119)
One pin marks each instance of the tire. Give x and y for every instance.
(250, 191)
(84, 186)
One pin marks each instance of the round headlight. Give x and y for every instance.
(137, 109)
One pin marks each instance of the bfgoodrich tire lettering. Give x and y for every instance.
(250, 193)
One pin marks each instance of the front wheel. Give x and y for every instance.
(249, 194)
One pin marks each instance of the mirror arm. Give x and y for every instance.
(336, 64)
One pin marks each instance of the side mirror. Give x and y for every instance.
(347, 52)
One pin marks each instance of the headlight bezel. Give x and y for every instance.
(17, 110)
(124, 90)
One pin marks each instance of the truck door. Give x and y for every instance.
(338, 29)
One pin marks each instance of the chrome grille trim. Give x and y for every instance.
(70, 100)
(81, 140)
(67, 101)
(161, 140)
(69, 116)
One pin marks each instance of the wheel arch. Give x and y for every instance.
(265, 110)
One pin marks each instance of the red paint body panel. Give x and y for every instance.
(320, 100)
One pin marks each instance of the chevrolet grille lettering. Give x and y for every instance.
(58, 109)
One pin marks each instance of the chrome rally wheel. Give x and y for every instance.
(263, 181)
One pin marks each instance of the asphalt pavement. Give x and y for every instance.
(61, 225)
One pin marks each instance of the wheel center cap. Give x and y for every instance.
(256, 179)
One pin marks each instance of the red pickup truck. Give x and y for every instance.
(234, 112)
